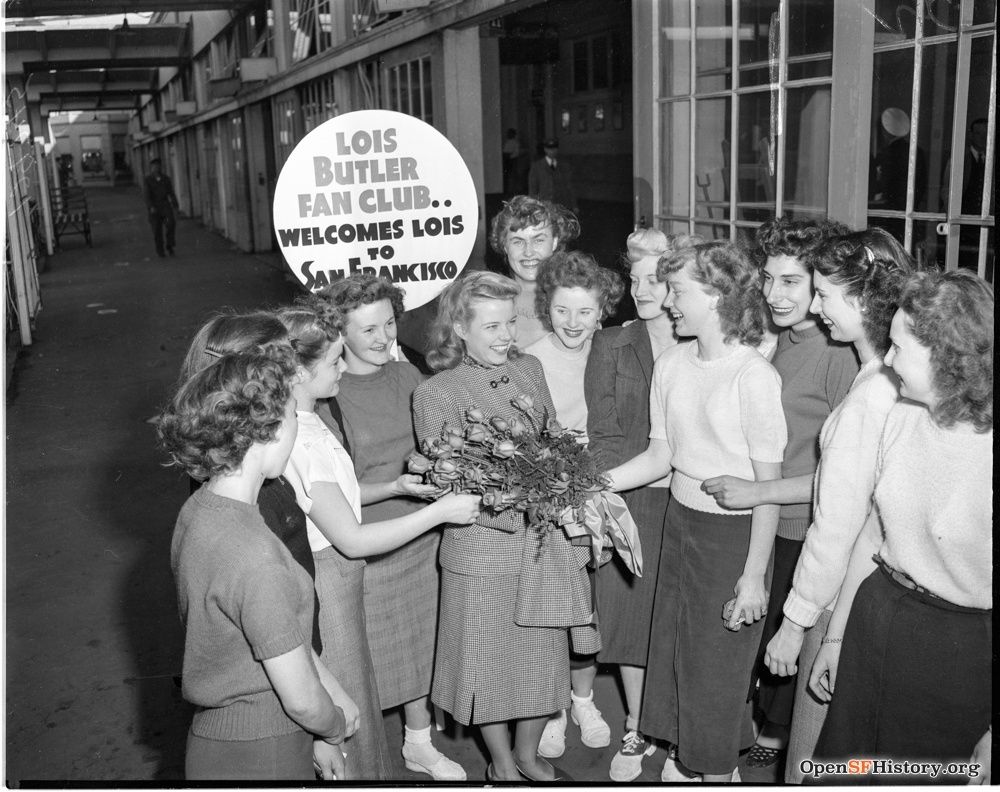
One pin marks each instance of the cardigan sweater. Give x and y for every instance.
(935, 497)
(842, 493)
(243, 599)
(816, 374)
(717, 416)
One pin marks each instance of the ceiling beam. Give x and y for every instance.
(40, 8)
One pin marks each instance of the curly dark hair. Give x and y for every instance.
(348, 294)
(224, 333)
(224, 409)
(726, 270)
(455, 306)
(522, 211)
(784, 236)
(871, 267)
(313, 323)
(569, 269)
(951, 313)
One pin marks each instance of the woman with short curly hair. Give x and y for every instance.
(401, 587)
(573, 296)
(266, 707)
(913, 671)
(616, 385)
(526, 232)
(715, 407)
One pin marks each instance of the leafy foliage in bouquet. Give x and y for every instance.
(531, 464)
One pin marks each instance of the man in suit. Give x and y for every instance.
(551, 179)
(161, 201)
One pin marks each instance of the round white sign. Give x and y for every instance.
(379, 192)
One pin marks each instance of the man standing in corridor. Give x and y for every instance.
(161, 201)
(551, 178)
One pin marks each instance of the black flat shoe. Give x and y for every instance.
(558, 775)
(761, 756)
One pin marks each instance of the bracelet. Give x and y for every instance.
(832, 640)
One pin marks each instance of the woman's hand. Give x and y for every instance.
(751, 601)
(731, 492)
(328, 761)
(461, 508)
(982, 755)
(352, 715)
(412, 486)
(783, 649)
(823, 678)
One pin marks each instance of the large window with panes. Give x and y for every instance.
(869, 111)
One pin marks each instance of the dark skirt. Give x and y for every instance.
(340, 585)
(624, 601)
(914, 683)
(489, 668)
(287, 757)
(776, 694)
(698, 672)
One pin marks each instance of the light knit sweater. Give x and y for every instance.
(935, 497)
(716, 416)
(564, 370)
(243, 599)
(816, 374)
(318, 456)
(842, 492)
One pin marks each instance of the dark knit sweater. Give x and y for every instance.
(816, 374)
(243, 599)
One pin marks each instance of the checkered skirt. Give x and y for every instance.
(490, 669)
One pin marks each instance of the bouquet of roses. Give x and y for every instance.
(534, 465)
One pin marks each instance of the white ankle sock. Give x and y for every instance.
(581, 699)
(417, 736)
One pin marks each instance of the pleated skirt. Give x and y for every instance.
(489, 669)
(340, 587)
(401, 607)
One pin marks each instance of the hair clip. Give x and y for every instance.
(211, 352)
(869, 254)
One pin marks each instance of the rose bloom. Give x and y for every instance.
(523, 402)
(418, 463)
(477, 434)
(517, 427)
(505, 449)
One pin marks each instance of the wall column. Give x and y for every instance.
(463, 111)
(850, 112)
(282, 35)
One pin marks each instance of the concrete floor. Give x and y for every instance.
(93, 638)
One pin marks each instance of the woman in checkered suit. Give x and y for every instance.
(506, 609)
